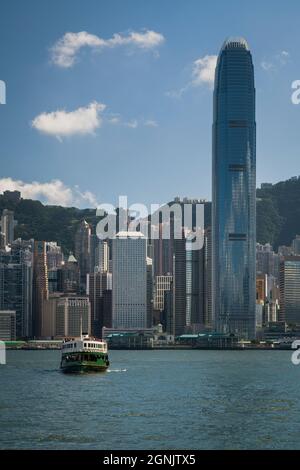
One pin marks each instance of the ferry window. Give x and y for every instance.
(85, 345)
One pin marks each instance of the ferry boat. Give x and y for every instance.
(84, 354)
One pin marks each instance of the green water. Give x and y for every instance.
(152, 400)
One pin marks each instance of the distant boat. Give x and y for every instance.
(84, 354)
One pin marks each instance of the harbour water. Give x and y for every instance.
(152, 400)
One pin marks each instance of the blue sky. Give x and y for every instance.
(153, 139)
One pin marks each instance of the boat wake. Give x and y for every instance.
(116, 370)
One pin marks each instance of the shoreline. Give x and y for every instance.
(163, 348)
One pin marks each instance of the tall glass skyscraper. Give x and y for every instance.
(234, 191)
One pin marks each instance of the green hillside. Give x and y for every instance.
(278, 217)
(278, 212)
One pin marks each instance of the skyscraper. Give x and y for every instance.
(233, 186)
(290, 290)
(129, 293)
(83, 251)
(73, 316)
(179, 285)
(16, 290)
(8, 226)
(97, 284)
(39, 285)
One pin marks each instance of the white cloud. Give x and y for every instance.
(267, 65)
(150, 123)
(133, 124)
(65, 50)
(62, 123)
(54, 192)
(116, 119)
(203, 73)
(204, 70)
(283, 57)
(278, 60)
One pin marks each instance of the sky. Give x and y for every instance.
(114, 97)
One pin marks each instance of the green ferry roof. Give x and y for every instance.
(14, 343)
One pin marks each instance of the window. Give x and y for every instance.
(237, 237)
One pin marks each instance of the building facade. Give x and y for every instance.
(73, 316)
(234, 191)
(129, 269)
(7, 325)
(8, 226)
(290, 290)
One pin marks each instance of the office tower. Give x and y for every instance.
(129, 296)
(93, 248)
(267, 261)
(149, 292)
(97, 283)
(83, 251)
(54, 280)
(7, 325)
(70, 276)
(54, 255)
(2, 241)
(168, 312)
(73, 316)
(39, 285)
(102, 256)
(195, 288)
(234, 191)
(48, 324)
(179, 285)
(161, 285)
(163, 252)
(267, 296)
(290, 290)
(16, 289)
(106, 308)
(8, 226)
(296, 245)
(208, 278)
(164, 248)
